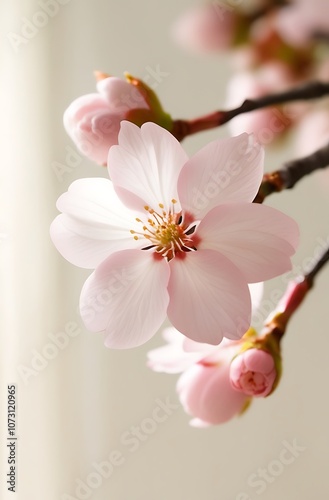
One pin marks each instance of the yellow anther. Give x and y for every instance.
(135, 237)
(161, 205)
(173, 201)
(132, 231)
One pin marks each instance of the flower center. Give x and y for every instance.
(253, 382)
(167, 232)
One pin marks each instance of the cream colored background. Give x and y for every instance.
(75, 411)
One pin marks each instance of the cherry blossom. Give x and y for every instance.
(172, 236)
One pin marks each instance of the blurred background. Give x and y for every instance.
(79, 404)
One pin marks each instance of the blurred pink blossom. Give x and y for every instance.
(298, 22)
(266, 124)
(206, 28)
(172, 236)
(253, 372)
(313, 131)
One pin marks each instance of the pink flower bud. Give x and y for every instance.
(253, 372)
(206, 393)
(93, 121)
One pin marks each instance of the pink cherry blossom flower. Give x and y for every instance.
(253, 372)
(206, 28)
(93, 121)
(204, 388)
(172, 236)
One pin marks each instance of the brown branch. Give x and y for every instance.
(310, 90)
(292, 172)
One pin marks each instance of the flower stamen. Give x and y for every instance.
(166, 231)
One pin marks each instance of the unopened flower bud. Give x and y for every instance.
(253, 372)
(93, 121)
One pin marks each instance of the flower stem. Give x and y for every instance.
(310, 90)
(295, 294)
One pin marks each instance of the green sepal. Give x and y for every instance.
(245, 406)
(156, 113)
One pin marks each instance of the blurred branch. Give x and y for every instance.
(292, 172)
(321, 36)
(310, 90)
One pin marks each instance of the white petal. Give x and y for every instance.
(198, 423)
(209, 297)
(94, 223)
(127, 297)
(256, 293)
(224, 171)
(258, 239)
(174, 357)
(145, 166)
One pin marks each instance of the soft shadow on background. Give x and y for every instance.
(82, 405)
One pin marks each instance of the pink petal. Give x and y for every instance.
(258, 239)
(206, 393)
(94, 223)
(81, 106)
(121, 95)
(256, 360)
(224, 171)
(209, 297)
(96, 133)
(127, 297)
(145, 166)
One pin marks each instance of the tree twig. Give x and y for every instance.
(295, 294)
(292, 172)
(310, 90)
